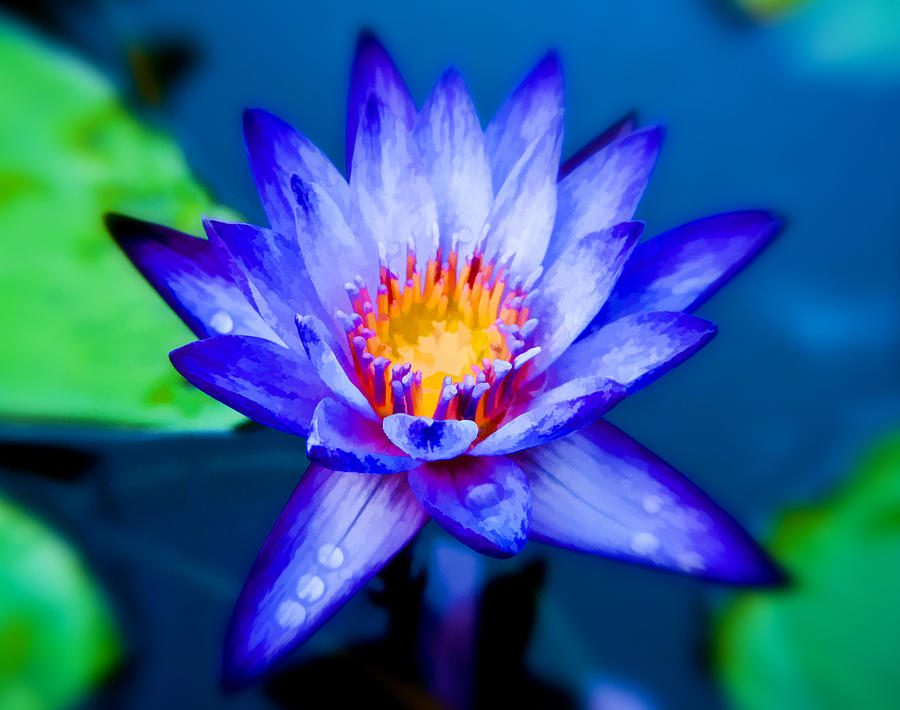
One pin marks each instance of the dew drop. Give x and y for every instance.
(221, 322)
(644, 543)
(464, 235)
(689, 561)
(331, 556)
(652, 504)
(310, 588)
(483, 495)
(290, 614)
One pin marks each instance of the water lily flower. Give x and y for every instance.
(447, 328)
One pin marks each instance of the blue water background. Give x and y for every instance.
(805, 369)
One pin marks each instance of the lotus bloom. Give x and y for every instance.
(447, 328)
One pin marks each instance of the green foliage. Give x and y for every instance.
(764, 9)
(84, 337)
(830, 641)
(57, 637)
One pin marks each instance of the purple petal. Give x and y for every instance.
(333, 254)
(315, 341)
(343, 440)
(604, 190)
(451, 143)
(188, 274)
(277, 152)
(391, 201)
(484, 502)
(601, 492)
(619, 129)
(269, 269)
(521, 218)
(269, 383)
(337, 531)
(680, 269)
(576, 286)
(532, 110)
(374, 72)
(636, 349)
(430, 439)
(552, 414)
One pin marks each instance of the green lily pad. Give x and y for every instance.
(57, 636)
(830, 640)
(84, 337)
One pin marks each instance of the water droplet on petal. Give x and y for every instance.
(644, 543)
(310, 588)
(221, 322)
(690, 561)
(331, 556)
(483, 495)
(652, 504)
(290, 614)
(464, 235)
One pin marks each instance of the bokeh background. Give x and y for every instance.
(131, 507)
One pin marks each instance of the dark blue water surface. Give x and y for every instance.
(805, 369)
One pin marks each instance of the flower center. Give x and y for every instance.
(444, 342)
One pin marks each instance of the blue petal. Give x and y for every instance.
(269, 383)
(337, 531)
(552, 414)
(374, 72)
(601, 492)
(277, 152)
(391, 201)
(680, 269)
(430, 439)
(341, 439)
(484, 502)
(314, 337)
(269, 269)
(521, 218)
(333, 254)
(532, 110)
(451, 143)
(576, 286)
(619, 129)
(636, 349)
(188, 274)
(604, 190)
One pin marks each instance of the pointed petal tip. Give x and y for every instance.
(176, 356)
(629, 231)
(624, 126)
(653, 134)
(761, 571)
(254, 120)
(126, 230)
(778, 222)
(118, 224)
(548, 69)
(367, 39)
(234, 674)
(551, 62)
(629, 119)
(453, 76)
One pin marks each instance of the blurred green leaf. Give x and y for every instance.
(84, 337)
(768, 9)
(829, 641)
(57, 636)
